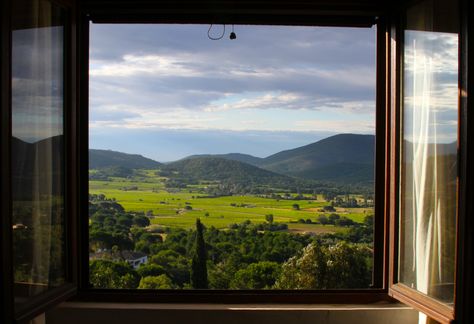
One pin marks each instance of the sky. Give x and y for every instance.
(168, 91)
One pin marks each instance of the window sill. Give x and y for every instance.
(93, 312)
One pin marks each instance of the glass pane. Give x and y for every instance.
(243, 164)
(37, 147)
(428, 176)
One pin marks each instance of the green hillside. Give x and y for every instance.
(345, 158)
(215, 168)
(99, 159)
(245, 158)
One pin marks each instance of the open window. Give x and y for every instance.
(426, 213)
(268, 141)
(39, 184)
(423, 235)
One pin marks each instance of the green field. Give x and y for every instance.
(180, 208)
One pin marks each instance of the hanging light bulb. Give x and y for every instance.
(232, 34)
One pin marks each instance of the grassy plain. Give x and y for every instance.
(180, 208)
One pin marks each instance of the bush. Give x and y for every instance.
(323, 220)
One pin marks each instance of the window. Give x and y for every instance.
(37, 144)
(37, 183)
(267, 141)
(399, 269)
(428, 167)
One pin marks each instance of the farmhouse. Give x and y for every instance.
(135, 259)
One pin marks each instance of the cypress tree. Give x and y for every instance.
(198, 266)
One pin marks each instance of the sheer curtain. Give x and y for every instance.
(429, 171)
(37, 160)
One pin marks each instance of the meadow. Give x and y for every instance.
(179, 208)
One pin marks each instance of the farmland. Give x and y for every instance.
(216, 223)
(179, 208)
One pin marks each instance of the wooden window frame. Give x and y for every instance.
(306, 12)
(433, 308)
(37, 304)
(379, 292)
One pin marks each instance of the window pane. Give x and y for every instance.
(429, 151)
(37, 147)
(231, 164)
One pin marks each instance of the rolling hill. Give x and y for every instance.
(106, 158)
(344, 157)
(245, 158)
(217, 168)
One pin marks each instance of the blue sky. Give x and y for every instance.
(167, 91)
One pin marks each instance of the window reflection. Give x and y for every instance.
(429, 154)
(37, 147)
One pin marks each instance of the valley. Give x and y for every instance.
(251, 218)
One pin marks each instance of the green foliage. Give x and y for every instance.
(323, 220)
(156, 282)
(269, 218)
(141, 221)
(109, 274)
(241, 256)
(106, 158)
(337, 266)
(150, 269)
(344, 222)
(234, 177)
(333, 218)
(329, 208)
(199, 262)
(260, 275)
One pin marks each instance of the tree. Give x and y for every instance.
(333, 218)
(198, 265)
(150, 269)
(261, 275)
(329, 208)
(344, 221)
(305, 272)
(141, 221)
(156, 282)
(296, 207)
(337, 266)
(323, 220)
(110, 274)
(269, 218)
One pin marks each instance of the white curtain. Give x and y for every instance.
(37, 127)
(430, 162)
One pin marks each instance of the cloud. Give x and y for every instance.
(339, 126)
(176, 66)
(131, 65)
(172, 78)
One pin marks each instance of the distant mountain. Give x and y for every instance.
(345, 158)
(245, 158)
(106, 158)
(217, 168)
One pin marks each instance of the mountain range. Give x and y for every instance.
(343, 158)
(106, 158)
